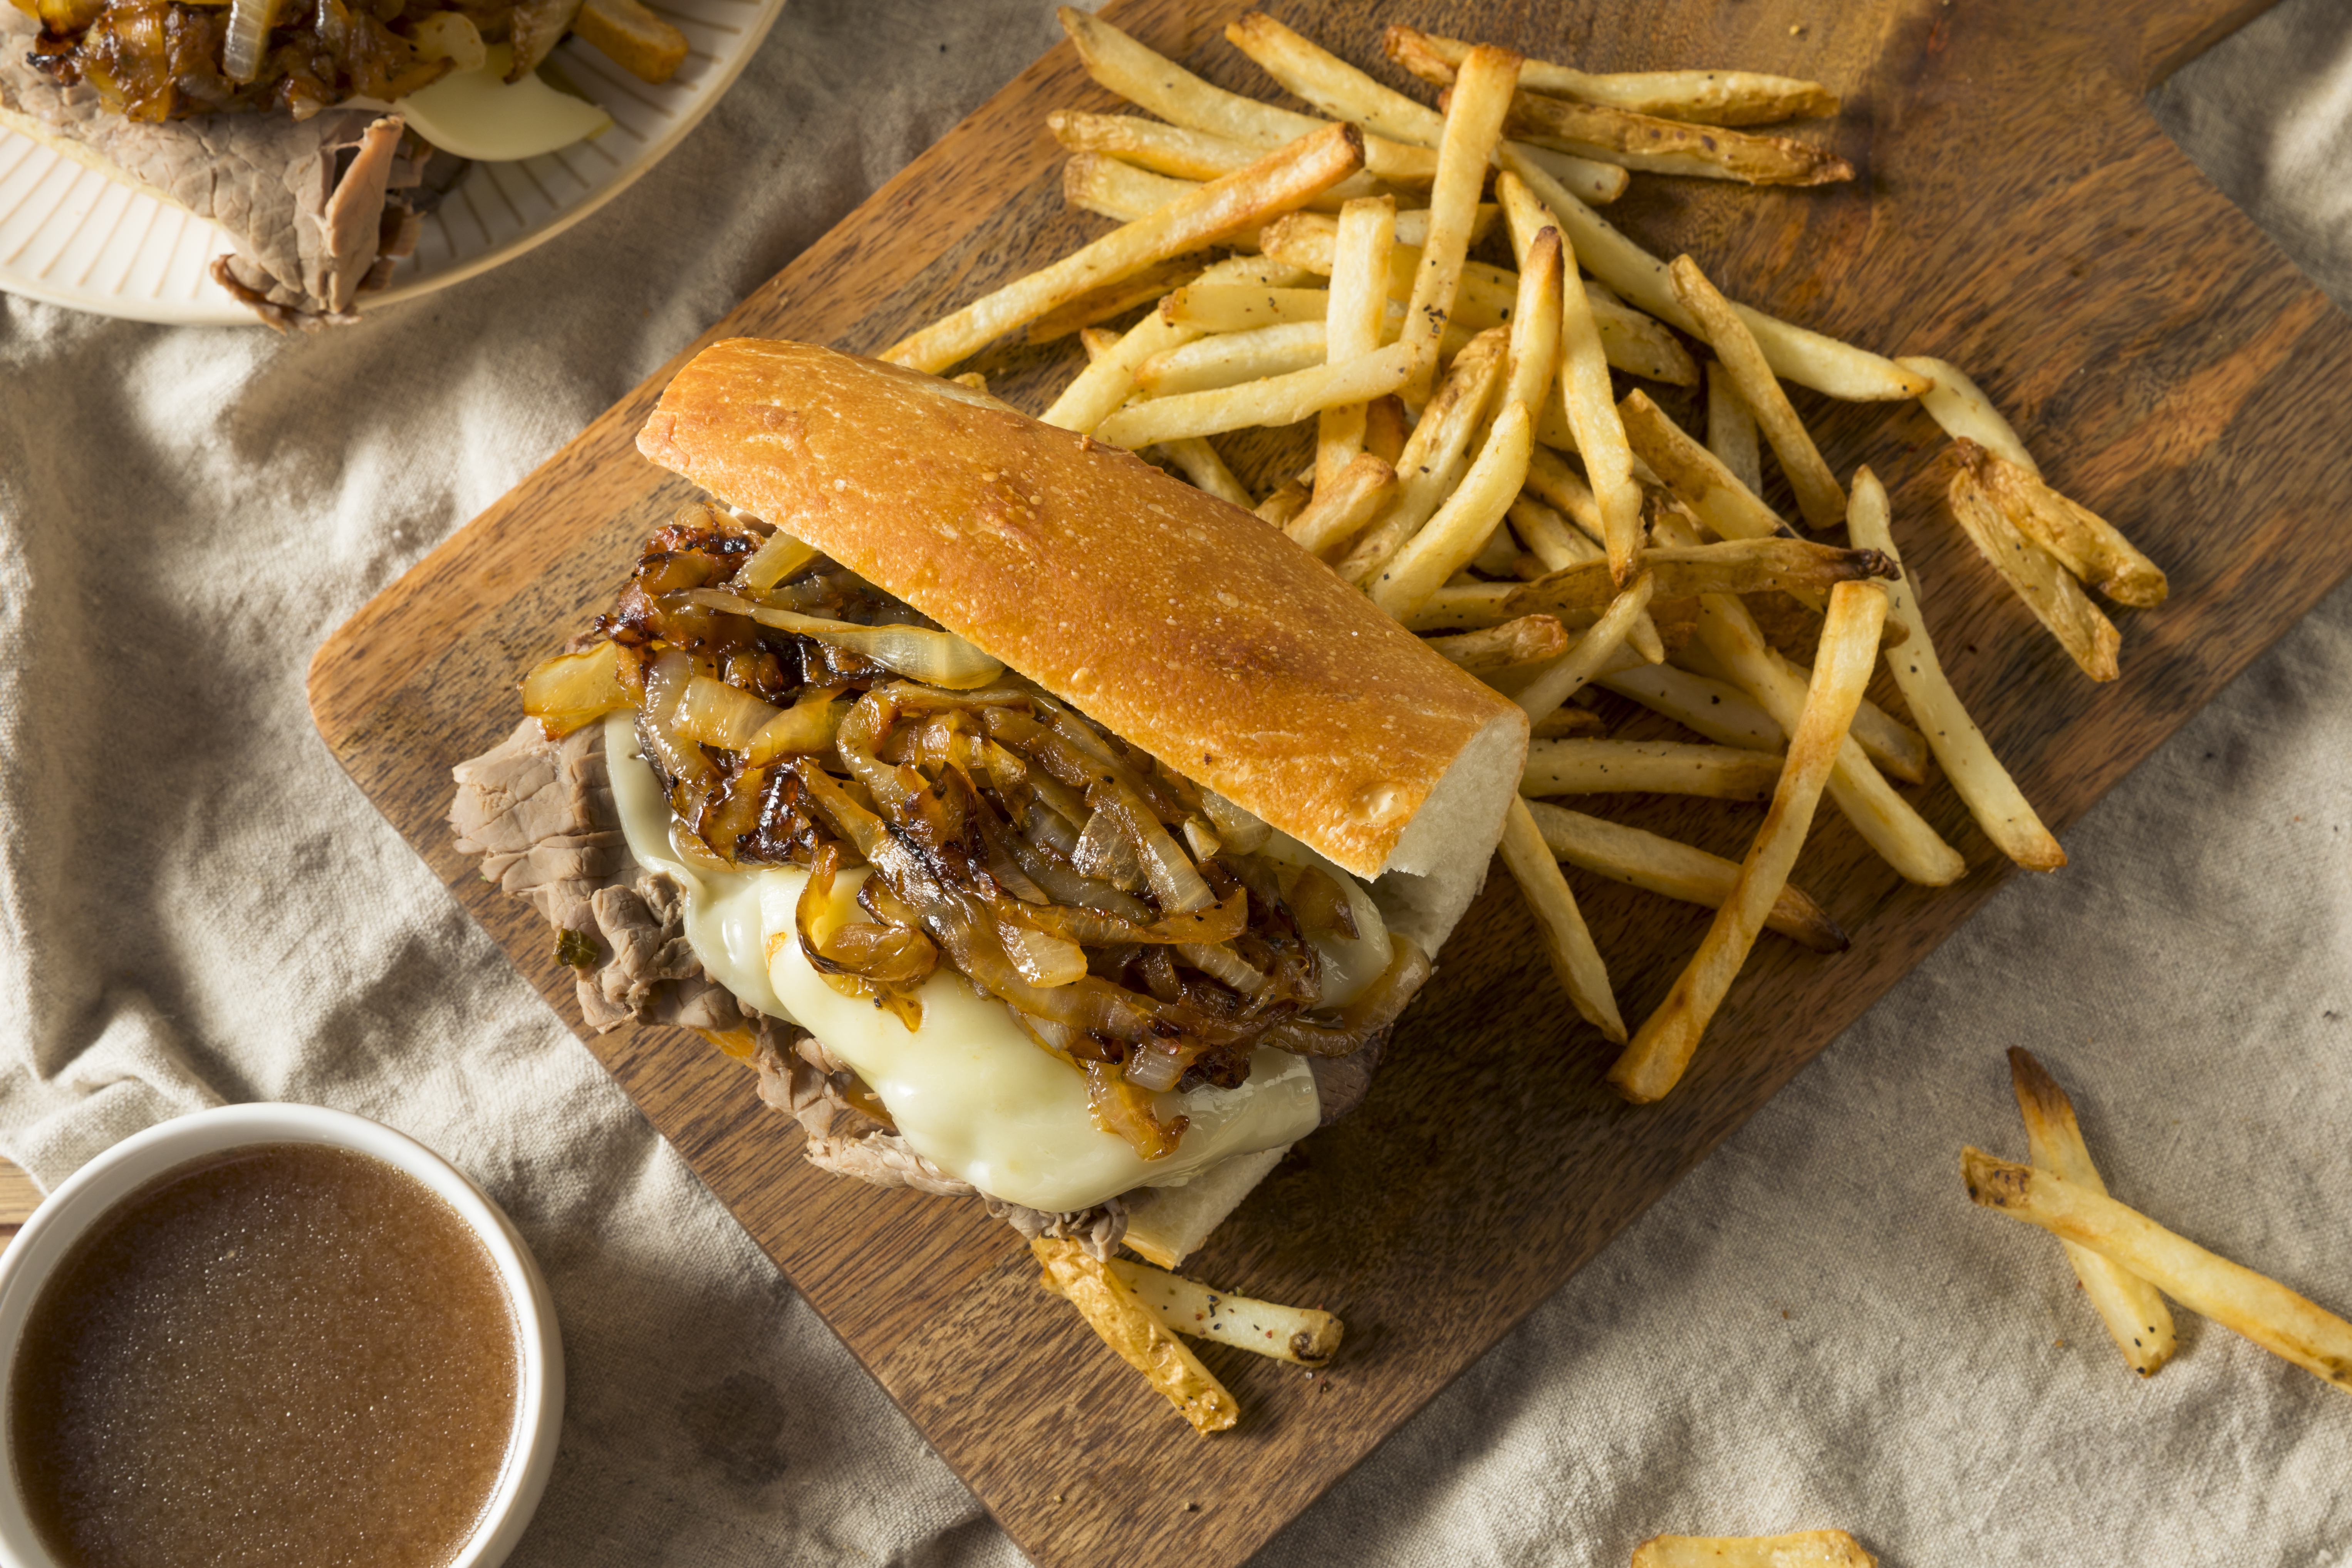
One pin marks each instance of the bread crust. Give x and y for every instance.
(1186, 625)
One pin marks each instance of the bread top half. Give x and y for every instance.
(1183, 624)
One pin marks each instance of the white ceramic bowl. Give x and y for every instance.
(98, 1186)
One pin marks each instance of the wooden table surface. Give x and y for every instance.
(18, 1198)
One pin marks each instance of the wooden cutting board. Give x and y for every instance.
(2017, 211)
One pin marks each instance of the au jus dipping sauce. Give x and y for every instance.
(284, 1354)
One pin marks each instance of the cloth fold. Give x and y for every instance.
(1813, 1329)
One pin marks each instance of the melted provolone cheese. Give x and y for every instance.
(969, 1088)
(476, 114)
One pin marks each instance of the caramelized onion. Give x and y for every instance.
(875, 963)
(1106, 852)
(1042, 958)
(242, 46)
(933, 658)
(1152, 1070)
(571, 688)
(1121, 1108)
(1374, 1009)
(1174, 883)
(1223, 966)
(1240, 833)
(810, 724)
(780, 555)
(714, 713)
(666, 685)
(1320, 905)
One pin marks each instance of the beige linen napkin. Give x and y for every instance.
(1814, 1329)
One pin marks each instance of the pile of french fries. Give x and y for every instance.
(1479, 473)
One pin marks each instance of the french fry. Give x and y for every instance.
(1564, 489)
(1884, 819)
(1675, 870)
(1107, 381)
(1282, 179)
(1819, 496)
(1697, 477)
(1356, 310)
(1804, 1549)
(1967, 760)
(1116, 299)
(1960, 406)
(1462, 606)
(1546, 533)
(1387, 427)
(1636, 344)
(1434, 455)
(1528, 640)
(2135, 1316)
(1648, 767)
(1173, 150)
(1713, 98)
(1590, 405)
(1339, 510)
(1125, 193)
(1500, 556)
(1463, 155)
(1236, 308)
(1453, 536)
(1569, 723)
(1345, 93)
(1660, 1052)
(1566, 941)
(2034, 575)
(1594, 654)
(1533, 362)
(1652, 145)
(1796, 354)
(1309, 239)
(1134, 1331)
(2079, 539)
(1734, 566)
(1714, 709)
(1306, 1335)
(1279, 400)
(1731, 431)
(1151, 82)
(632, 37)
(2235, 1297)
(1286, 504)
(1229, 359)
(1201, 464)
(1892, 746)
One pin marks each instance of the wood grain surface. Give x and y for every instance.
(2017, 211)
(18, 1198)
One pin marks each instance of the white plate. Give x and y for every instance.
(72, 237)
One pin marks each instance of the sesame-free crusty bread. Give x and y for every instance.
(1186, 625)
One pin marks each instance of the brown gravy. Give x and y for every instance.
(282, 1354)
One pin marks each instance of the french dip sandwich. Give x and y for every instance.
(1043, 828)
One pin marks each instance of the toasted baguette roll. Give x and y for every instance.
(1182, 623)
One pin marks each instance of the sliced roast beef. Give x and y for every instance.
(540, 812)
(308, 205)
(1341, 1082)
